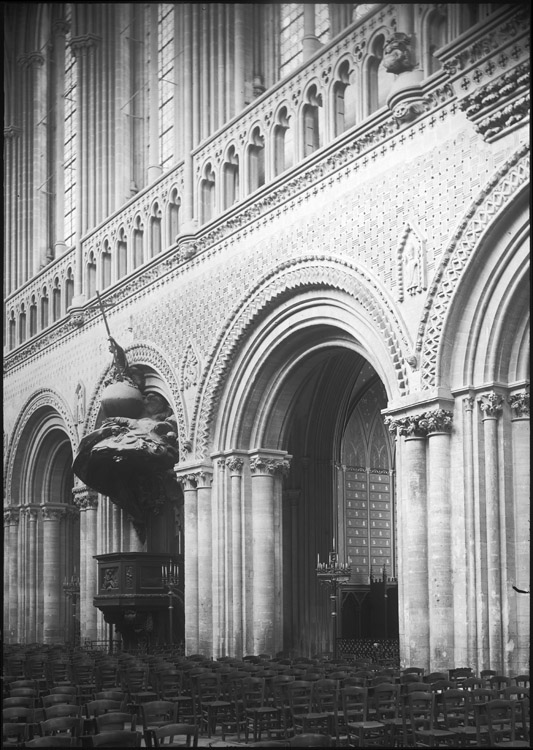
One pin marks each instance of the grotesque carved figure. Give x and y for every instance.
(397, 54)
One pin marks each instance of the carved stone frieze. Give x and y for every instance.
(490, 404)
(520, 404)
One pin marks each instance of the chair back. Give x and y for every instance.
(325, 695)
(14, 734)
(166, 735)
(117, 738)
(21, 701)
(70, 725)
(300, 694)
(57, 741)
(103, 706)
(386, 701)
(62, 709)
(158, 713)
(18, 714)
(50, 700)
(115, 721)
(455, 704)
(421, 710)
(311, 740)
(354, 704)
(501, 719)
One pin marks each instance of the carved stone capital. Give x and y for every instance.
(61, 27)
(84, 497)
(271, 466)
(12, 517)
(53, 512)
(31, 513)
(12, 132)
(84, 43)
(33, 59)
(235, 464)
(468, 403)
(491, 405)
(421, 425)
(439, 420)
(520, 404)
(187, 481)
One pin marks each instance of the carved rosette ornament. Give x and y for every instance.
(421, 425)
(264, 465)
(491, 405)
(520, 405)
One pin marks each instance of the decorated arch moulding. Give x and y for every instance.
(142, 353)
(496, 195)
(44, 397)
(281, 283)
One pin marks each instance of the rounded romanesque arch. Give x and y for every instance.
(164, 380)
(498, 195)
(312, 273)
(44, 406)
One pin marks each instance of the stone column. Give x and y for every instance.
(440, 568)
(60, 28)
(91, 612)
(52, 578)
(491, 408)
(520, 432)
(32, 580)
(413, 563)
(236, 630)
(154, 167)
(204, 480)
(266, 608)
(87, 501)
(474, 612)
(12, 519)
(190, 558)
(310, 42)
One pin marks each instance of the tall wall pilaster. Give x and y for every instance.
(206, 539)
(266, 469)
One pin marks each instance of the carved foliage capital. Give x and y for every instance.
(490, 404)
(235, 464)
(52, 513)
(264, 465)
(12, 517)
(520, 404)
(84, 497)
(421, 425)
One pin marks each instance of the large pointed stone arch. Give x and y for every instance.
(142, 353)
(281, 283)
(44, 398)
(507, 185)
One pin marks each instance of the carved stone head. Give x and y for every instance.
(397, 53)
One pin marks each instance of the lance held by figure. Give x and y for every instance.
(131, 455)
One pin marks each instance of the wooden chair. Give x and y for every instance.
(498, 683)
(311, 740)
(115, 721)
(472, 683)
(259, 715)
(62, 725)
(118, 738)
(422, 723)
(387, 704)
(456, 717)
(20, 701)
(62, 709)
(52, 700)
(103, 706)
(522, 680)
(157, 714)
(165, 736)
(57, 741)
(14, 734)
(360, 730)
(501, 724)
